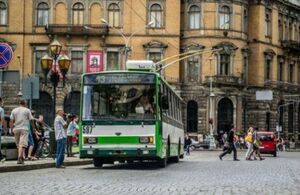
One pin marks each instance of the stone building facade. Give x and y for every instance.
(256, 48)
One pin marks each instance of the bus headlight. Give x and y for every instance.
(146, 140)
(92, 140)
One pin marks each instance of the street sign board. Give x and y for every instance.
(264, 95)
(30, 88)
(6, 54)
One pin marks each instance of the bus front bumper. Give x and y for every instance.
(117, 154)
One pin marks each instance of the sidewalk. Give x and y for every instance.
(11, 165)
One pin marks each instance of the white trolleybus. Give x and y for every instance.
(130, 115)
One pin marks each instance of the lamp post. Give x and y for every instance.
(57, 65)
(126, 38)
(212, 144)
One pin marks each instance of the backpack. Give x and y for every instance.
(248, 138)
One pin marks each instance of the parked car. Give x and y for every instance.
(268, 142)
(196, 144)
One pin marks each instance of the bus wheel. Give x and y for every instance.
(162, 163)
(176, 158)
(98, 162)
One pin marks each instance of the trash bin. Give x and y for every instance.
(52, 143)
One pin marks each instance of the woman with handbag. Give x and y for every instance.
(256, 144)
(249, 142)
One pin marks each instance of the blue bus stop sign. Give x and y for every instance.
(6, 54)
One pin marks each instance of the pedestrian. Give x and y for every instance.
(187, 144)
(31, 135)
(231, 145)
(71, 132)
(256, 144)
(60, 126)
(20, 119)
(39, 133)
(2, 126)
(249, 142)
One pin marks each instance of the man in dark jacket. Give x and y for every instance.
(231, 147)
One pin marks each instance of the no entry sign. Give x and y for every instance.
(6, 54)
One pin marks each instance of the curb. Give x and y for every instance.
(28, 167)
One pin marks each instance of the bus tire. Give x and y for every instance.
(162, 163)
(98, 162)
(176, 158)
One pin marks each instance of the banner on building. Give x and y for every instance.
(94, 61)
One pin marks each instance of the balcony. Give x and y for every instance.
(225, 80)
(76, 30)
(283, 85)
(291, 46)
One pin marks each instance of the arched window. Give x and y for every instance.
(44, 106)
(114, 15)
(42, 14)
(72, 102)
(194, 17)
(225, 115)
(78, 11)
(224, 17)
(156, 15)
(3, 13)
(192, 116)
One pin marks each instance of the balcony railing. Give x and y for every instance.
(225, 80)
(66, 29)
(291, 46)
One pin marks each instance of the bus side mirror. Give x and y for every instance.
(164, 102)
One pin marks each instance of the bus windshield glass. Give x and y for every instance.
(119, 97)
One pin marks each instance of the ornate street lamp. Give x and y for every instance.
(50, 63)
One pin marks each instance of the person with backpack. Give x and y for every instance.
(249, 142)
(231, 145)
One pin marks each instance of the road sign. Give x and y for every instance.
(6, 54)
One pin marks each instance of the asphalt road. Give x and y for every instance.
(200, 173)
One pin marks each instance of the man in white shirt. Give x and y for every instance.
(2, 125)
(19, 121)
(60, 126)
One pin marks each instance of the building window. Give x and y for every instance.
(3, 13)
(193, 64)
(77, 61)
(224, 64)
(268, 120)
(112, 60)
(280, 26)
(78, 11)
(42, 14)
(291, 118)
(156, 15)
(194, 17)
(245, 20)
(268, 68)
(224, 17)
(38, 56)
(286, 28)
(114, 15)
(295, 33)
(155, 56)
(291, 73)
(280, 70)
(268, 22)
(290, 31)
(298, 76)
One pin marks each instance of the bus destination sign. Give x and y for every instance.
(119, 78)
